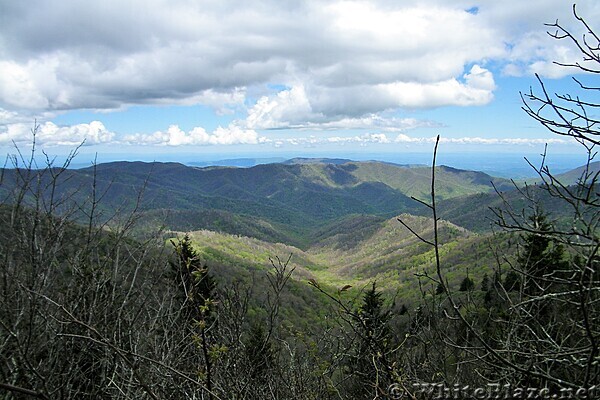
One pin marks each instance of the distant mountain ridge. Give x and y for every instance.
(288, 202)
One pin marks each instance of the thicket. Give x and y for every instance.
(87, 311)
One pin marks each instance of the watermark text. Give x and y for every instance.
(492, 391)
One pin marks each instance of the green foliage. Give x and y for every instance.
(485, 283)
(371, 359)
(512, 281)
(196, 284)
(467, 285)
(274, 202)
(260, 354)
(541, 258)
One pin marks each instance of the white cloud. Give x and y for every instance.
(505, 141)
(49, 134)
(357, 107)
(18, 87)
(11, 117)
(374, 121)
(313, 141)
(477, 90)
(402, 138)
(288, 108)
(342, 64)
(533, 55)
(380, 138)
(198, 136)
(480, 78)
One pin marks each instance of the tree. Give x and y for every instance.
(196, 284)
(369, 351)
(512, 281)
(439, 289)
(198, 289)
(370, 361)
(467, 285)
(485, 283)
(541, 259)
(260, 355)
(559, 261)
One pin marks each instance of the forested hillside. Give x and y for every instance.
(275, 202)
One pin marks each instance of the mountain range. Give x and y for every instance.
(338, 217)
(286, 202)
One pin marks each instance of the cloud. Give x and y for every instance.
(357, 107)
(49, 134)
(381, 138)
(288, 108)
(174, 136)
(530, 56)
(11, 117)
(375, 121)
(94, 133)
(402, 138)
(223, 103)
(352, 58)
(505, 141)
(18, 87)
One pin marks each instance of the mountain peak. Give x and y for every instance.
(303, 160)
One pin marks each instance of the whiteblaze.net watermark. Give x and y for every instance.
(492, 391)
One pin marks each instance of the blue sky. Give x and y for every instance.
(155, 78)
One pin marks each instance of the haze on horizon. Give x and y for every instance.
(168, 78)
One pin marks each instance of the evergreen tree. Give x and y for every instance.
(467, 284)
(512, 281)
(260, 354)
(485, 283)
(541, 258)
(199, 305)
(439, 289)
(196, 284)
(371, 362)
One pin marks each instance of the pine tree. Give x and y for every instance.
(198, 287)
(196, 284)
(467, 285)
(371, 362)
(512, 281)
(260, 354)
(485, 283)
(542, 258)
(439, 289)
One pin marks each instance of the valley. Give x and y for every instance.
(360, 251)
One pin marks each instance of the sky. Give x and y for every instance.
(158, 79)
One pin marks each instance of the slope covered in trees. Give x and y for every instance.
(275, 202)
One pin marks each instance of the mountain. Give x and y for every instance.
(573, 176)
(237, 162)
(416, 181)
(303, 160)
(275, 202)
(299, 202)
(477, 212)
